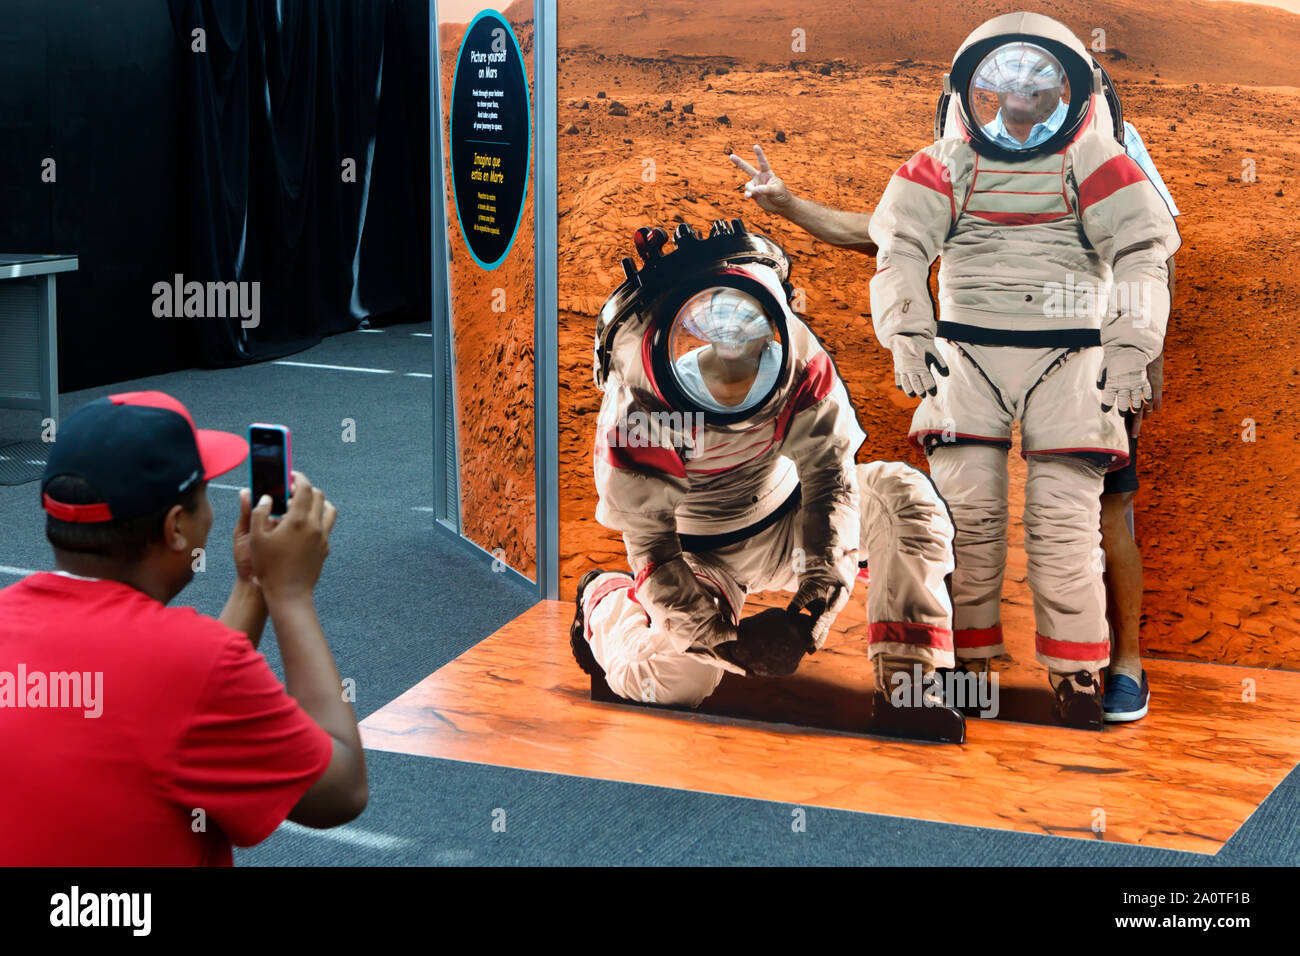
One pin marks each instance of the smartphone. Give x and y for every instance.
(271, 463)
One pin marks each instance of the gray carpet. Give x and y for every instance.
(398, 601)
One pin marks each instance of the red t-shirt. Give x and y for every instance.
(172, 713)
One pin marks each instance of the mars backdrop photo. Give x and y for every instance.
(1214, 88)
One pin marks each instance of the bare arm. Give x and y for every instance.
(245, 610)
(312, 679)
(839, 227)
(288, 558)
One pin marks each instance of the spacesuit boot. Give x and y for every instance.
(962, 685)
(909, 702)
(1078, 698)
(578, 642)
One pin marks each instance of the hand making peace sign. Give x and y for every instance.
(764, 186)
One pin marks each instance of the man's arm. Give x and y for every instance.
(839, 227)
(245, 610)
(288, 559)
(312, 679)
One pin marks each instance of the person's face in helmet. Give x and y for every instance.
(719, 343)
(1020, 83)
(1030, 106)
(729, 370)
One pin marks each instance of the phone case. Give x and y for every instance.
(288, 456)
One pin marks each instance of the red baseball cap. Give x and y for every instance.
(138, 451)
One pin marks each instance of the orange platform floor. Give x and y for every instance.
(1186, 777)
(1216, 743)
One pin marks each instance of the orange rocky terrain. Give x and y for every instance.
(1217, 516)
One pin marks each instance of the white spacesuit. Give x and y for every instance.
(724, 453)
(1052, 300)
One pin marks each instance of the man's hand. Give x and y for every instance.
(764, 186)
(821, 598)
(1123, 381)
(913, 357)
(245, 609)
(287, 555)
(243, 538)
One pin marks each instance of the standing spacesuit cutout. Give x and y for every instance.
(724, 453)
(1052, 300)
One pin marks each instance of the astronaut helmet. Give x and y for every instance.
(712, 317)
(1021, 85)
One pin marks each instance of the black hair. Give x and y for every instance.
(124, 540)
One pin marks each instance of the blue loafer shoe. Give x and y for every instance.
(1125, 700)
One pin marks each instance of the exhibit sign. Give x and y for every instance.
(491, 138)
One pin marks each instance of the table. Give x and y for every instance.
(29, 342)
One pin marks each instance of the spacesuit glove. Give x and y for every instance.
(768, 644)
(1123, 381)
(913, 355)
(713, 646)
(820, 598)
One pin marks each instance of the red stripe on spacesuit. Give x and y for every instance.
(1072, 650)
(815, 383)
(977, 636)
(1022, 219)
(647, 360)
(1121, 457)
(718, 471)
(1019, 218)
(645, 572)
(723, 452)
(649, 459)
(735, 464)
(1107, 179)
(924, 170)
(649, 569)
(910, 632)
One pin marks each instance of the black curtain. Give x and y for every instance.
(283, 95)
(97, 90)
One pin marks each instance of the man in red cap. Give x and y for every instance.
(135, 733)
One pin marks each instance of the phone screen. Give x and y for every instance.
(270, 471)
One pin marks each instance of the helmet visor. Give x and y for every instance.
(725, 350)
(1019, 95)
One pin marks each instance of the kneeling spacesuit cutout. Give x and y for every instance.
(724, 454)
